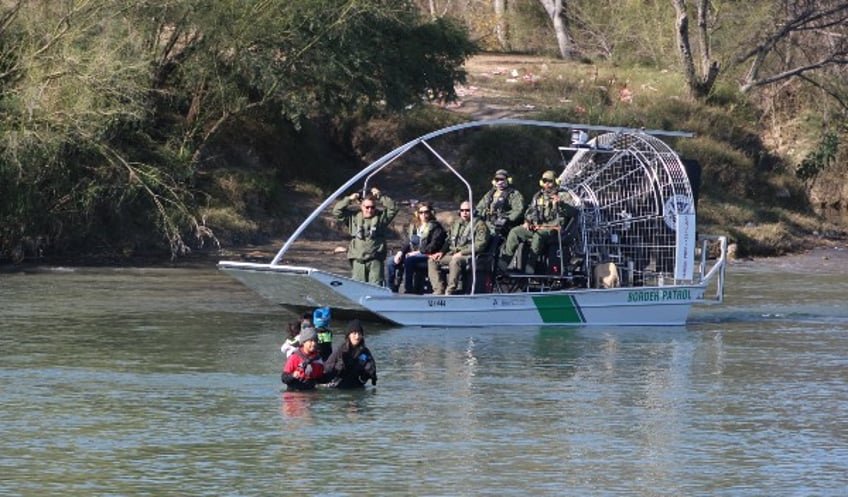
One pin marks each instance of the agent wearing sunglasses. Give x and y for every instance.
(549, 211)
(502, 206)
(456, 255)
(368, 227)
(425, 236)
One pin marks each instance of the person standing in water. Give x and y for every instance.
(304, 368)
(291, 344)
(352, 365)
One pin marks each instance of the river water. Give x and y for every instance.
(138, 382)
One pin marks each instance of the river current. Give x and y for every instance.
(149, 382)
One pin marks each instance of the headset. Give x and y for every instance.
(508, 177)
(557, 181)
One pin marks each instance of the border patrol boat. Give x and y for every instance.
(632, 255)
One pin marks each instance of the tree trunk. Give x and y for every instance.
(501, 24)
(699, 86)
(557, 11)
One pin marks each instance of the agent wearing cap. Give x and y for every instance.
(548, 212)
(502, 206)
(304, 368)
(352, 365)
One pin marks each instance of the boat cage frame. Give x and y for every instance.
(635, 202)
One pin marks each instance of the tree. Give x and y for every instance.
(107, 105)
(801, 39)
(798, 39)
(699, 80)
(305, 58)
(557, 11)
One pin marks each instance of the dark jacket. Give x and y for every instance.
(431, 242)
(351, 367)
(325, 342)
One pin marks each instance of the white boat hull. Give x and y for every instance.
(635, 210)
(298, 286)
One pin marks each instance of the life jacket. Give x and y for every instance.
(311, 367)
(544, 208)
(325, 335)
(497, 202)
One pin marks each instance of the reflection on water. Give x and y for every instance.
(166, 382)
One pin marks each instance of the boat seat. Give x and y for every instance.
(420, 281)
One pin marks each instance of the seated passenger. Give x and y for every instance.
(548, 212)
(456, 253)
(426, 236)
(502, 206)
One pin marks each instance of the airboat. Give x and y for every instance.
(633, 256)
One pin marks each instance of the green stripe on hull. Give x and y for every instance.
(558, 309)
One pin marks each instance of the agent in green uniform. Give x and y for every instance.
(368, 228)
(456, 253)
(502, 206)
(548, 212)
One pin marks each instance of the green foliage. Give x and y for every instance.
(524, 152)
(113, 113)
(819, 158)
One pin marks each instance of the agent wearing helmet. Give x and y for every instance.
(352, 364)
(304, 368)
(368, 228)
(321, 320)
(502, 206)
(548, 212)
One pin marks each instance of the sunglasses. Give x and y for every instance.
(500, 179)
(423, 212)
(367, 206)
(464, 210)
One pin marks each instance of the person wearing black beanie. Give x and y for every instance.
(352, 365)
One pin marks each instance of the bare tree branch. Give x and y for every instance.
(815, 27)
(838, 97)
